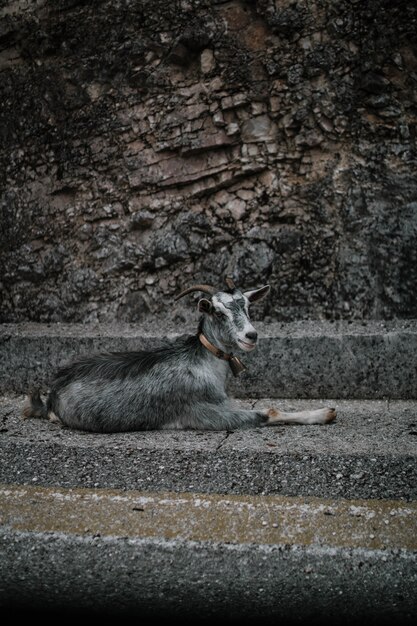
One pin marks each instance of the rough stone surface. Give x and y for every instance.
(148, 144)
(305, 359)
(199, 556)
(370, 451)
(120, 576)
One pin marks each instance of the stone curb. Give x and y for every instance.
(300, 360)
(188, 555)
(336, 560)
(370, 451)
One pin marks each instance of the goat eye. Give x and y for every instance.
(219, 314)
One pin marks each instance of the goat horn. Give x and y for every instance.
(229, 282)
(204, 288)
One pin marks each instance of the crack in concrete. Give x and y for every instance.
(226, 436)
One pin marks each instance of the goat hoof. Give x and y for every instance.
(330, 416)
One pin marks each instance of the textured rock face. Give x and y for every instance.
(147, 144)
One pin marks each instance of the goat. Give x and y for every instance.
(180, 385)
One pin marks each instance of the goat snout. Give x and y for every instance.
(252, 336)
(247, 342)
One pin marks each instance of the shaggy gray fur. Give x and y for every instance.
(180, 385)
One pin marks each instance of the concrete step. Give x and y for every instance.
(202, 556)
(373, 360)
(289, 523)
(285, 524)
(370, 451)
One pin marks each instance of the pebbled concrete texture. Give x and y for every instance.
(370, 451)
(183, 555)
(119, 576)
(73, 537)
(243, 519)
(295, 360)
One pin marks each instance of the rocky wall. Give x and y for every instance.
(147, 144)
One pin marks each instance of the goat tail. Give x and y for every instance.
(34, 406)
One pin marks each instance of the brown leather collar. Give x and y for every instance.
(235, 363)
(216, 351)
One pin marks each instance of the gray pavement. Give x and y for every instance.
(208, 556)
(286, 524)
(370, 451)
(300, 360)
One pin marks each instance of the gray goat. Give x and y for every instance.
(179, 385)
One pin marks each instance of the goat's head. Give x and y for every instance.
(226, 313)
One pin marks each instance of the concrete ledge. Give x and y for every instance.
(370, 451)
(300, 360)
(319, 524)
(288, 524)
(153, 555)
(148, 579)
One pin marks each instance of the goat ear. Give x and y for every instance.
(257, 294)
(204, 305)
